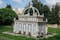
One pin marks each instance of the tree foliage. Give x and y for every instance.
(6, 16)
(43, 9)
(51, 15)
(38, 5)
(9, 6)
(54, 15)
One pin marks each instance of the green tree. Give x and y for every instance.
(38, 5)
(54, 15)
(8, 6)
(57, 9)
(7, 16)
(46, 11)
(43, 9)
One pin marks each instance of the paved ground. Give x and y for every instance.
(46, 36)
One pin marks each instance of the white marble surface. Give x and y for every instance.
(31, 27)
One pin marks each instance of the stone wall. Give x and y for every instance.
(53, 25)
(43, 28)
(26, 27)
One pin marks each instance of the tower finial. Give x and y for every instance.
(31, 4)
(38, 0)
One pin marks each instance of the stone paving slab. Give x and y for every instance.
(46, 36)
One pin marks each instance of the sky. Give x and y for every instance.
(23, 3)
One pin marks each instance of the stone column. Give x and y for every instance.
(22, 27)
(19, 26)
(14, 27)
(26, 28)
(46, 28)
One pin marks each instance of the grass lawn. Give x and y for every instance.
(10, 37)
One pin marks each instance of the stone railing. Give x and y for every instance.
(31, 19)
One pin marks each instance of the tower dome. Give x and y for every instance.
(31, 11)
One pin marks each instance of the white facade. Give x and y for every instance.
(30, 25)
